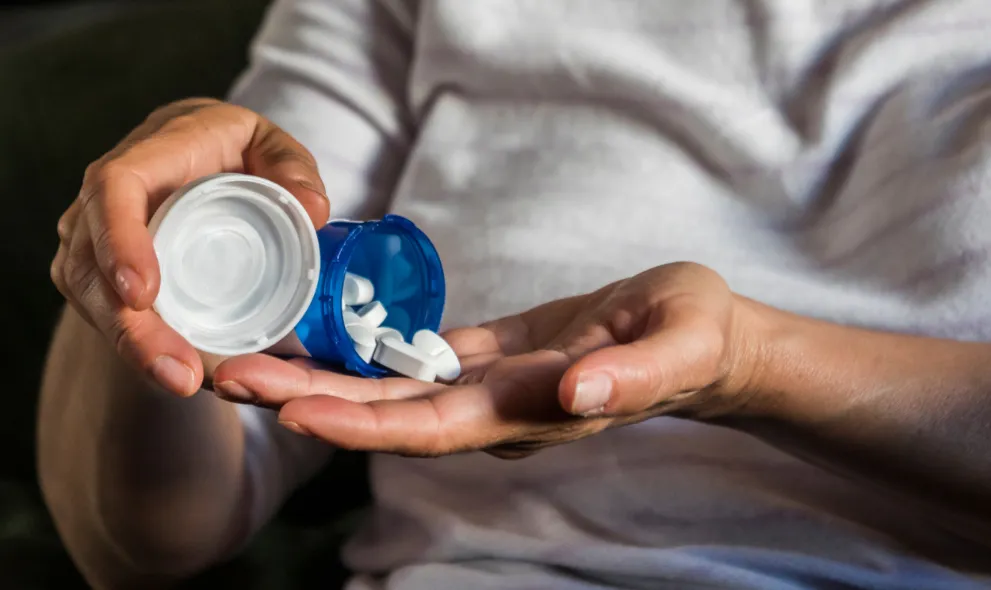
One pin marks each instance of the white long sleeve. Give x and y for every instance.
(333, 74)
(828, 157)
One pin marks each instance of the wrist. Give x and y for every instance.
(762, 339)
(795, 368)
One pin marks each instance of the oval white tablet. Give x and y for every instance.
(364, 341)
(357, 290)
(383, 333)
(405, 359)
(350, 317)
(445, 359)
(373, 314)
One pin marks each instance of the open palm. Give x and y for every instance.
(657, 339)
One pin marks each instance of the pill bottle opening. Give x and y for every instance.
(405, 270)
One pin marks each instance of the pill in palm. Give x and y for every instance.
(445, 359)
(405, 359)
(373, 314)
(357, 290)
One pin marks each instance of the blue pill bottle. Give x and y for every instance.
(244, 271)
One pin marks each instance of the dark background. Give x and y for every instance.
(75, 77)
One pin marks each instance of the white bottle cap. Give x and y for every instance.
(239, 260)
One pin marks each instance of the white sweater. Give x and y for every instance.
(828, 157)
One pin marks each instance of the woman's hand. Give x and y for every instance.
(673, 339)
(106, 265)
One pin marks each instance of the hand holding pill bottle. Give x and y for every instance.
(106, 265)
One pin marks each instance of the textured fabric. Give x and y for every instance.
(828, 157)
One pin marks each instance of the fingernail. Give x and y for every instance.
(295, 428)
(129, 285)
(174, 375)
(234, 391)
(592, 394)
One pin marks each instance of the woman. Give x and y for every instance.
(761, 416)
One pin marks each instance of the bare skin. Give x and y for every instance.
(145, 487)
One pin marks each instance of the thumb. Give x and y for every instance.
(676, 358)
(277, 156)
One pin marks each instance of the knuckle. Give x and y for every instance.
(627, 321)
(275, 154)
(710, 339)
(180, 122)
(80, 277)
(436, 446)
(92, 169)
(181, 107)
(686, 267)
(107, 174)
(94, 181)
(194, 102)
(437, 443)
(55, 273)
(63, 228)
(123, 331)
(700, 273)
(238, 111)
(276, 147)
(103, 246)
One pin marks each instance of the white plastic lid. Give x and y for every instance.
(239, 260)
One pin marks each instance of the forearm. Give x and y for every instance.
(143, 486)
(909, 413)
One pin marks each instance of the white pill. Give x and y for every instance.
(357, 290)
(364, 341)
(382, 333)
(445, 359)
(350, 317)
(373, 314)
(405, 359)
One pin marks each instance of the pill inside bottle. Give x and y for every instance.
(244, 271)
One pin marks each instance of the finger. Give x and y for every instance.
(142, 338)
(120, 193)
(518, 334)
(277, 156)
(472, 341)
(506, 336)
(269, 381)
(57, 276)
(672, 359)
(476, 364)
(67, 223)
(516, 399)
(58, 263)
(210, 363)
(115, 210)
